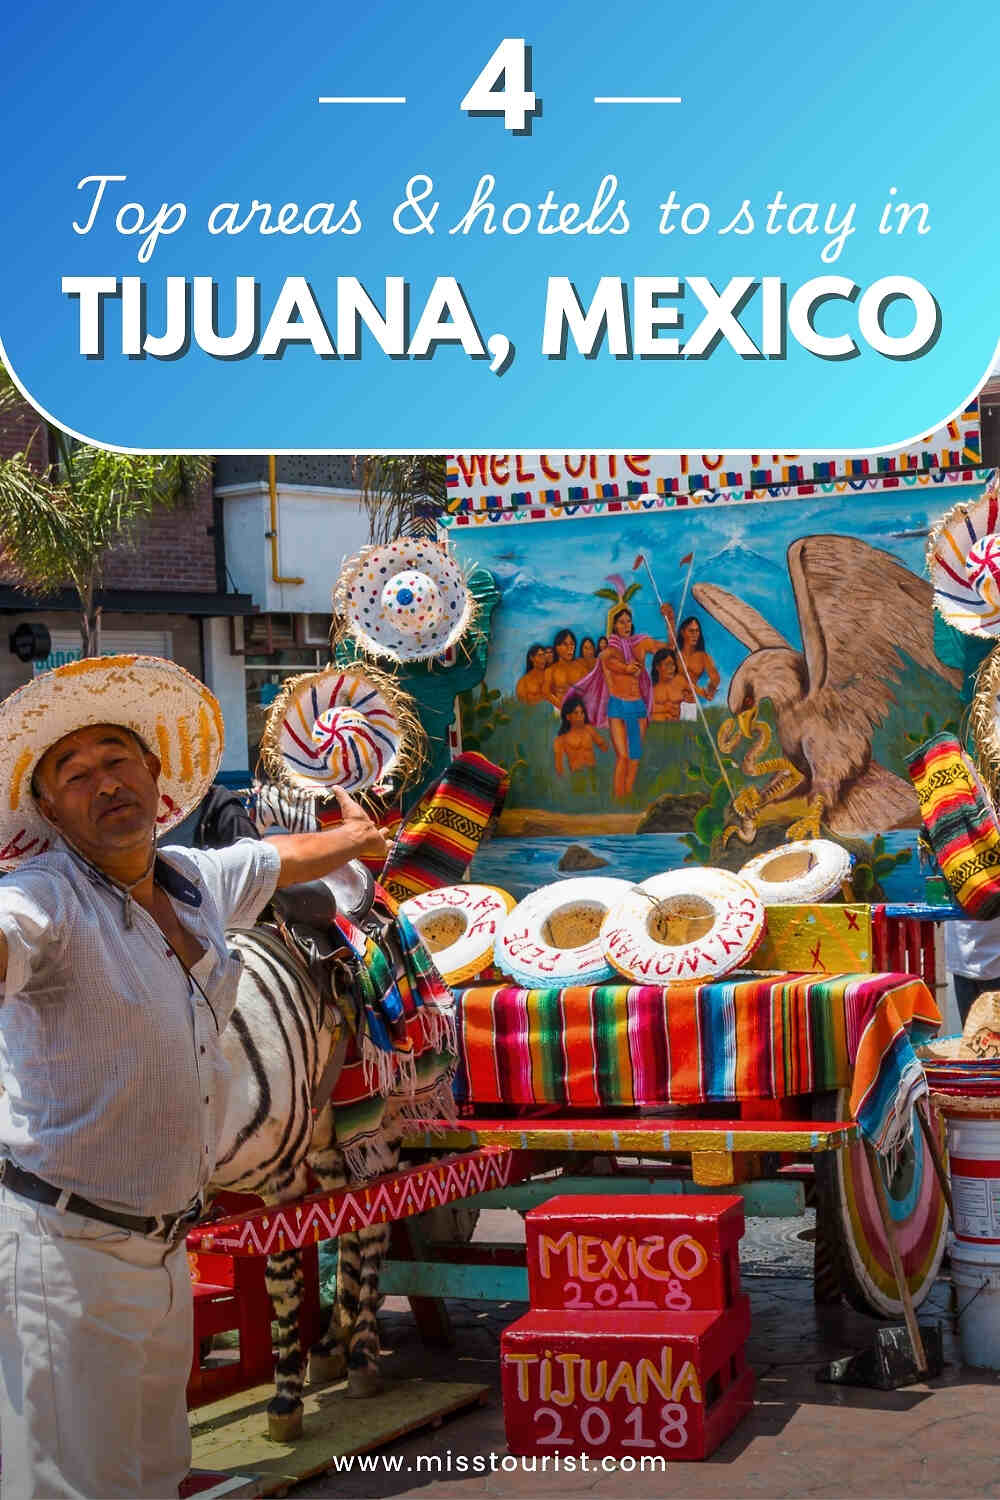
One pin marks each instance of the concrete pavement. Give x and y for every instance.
(802, 1439)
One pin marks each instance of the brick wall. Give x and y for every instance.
(173, 549)
(17, 425)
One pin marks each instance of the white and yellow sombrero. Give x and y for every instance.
(408, 600)
(802, 873)
(344, 727)
(963, 559)
(171, 711)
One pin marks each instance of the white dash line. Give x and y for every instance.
(361, 99)
(637, 99)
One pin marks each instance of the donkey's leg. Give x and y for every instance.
(351, 1341)
(363, 1350)
(285, 1286)
(328, 1356)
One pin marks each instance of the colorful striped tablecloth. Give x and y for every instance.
(767, 1038)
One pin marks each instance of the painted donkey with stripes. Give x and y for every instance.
(313, 1092)
(282, 1047)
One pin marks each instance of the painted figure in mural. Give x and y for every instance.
(577, 738)
(862, 613)
(691, 643)
(619, 693)
(566, 670)
(602, 644)
(671, 693)
(588, 652)
(531, 688)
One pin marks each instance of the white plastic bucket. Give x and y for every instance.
(974, 1159)
(977, 1290)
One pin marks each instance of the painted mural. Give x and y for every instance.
(700, 685)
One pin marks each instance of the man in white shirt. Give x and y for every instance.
(118, 983)
(972, 958)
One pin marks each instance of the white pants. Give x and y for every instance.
(96, 1331)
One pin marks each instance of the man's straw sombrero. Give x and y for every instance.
(963, 558)
(172, 712)
(347, 727)
(407, 600)
(552, 935)
(801, 873)
(984, 720)
(964, 1071)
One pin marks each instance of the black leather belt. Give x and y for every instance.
(167, 1227)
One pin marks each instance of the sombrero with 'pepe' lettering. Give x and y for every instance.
(173, 713)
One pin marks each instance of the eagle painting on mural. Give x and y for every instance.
(863, 615)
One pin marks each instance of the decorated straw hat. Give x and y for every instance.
(963, 1072)
(803, 872)
(407, 600)
(984, 719)
(459, 924)
(552, 936)
(347, 727)
(683, 925)
(963, 558)
(979, 1043)
(173, 713)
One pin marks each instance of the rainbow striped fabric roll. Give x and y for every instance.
(960, 822)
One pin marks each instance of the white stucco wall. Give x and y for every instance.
(317, 529)
(224, 675)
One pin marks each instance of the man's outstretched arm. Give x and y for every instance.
(308, 856)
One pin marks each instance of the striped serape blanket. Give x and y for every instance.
(399, 1069)
(767, 1038)
(960, 822)
(400, 1062)
(443, 832)
(397, 983)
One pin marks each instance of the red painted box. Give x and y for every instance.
(625, 1384)
(680, 1254)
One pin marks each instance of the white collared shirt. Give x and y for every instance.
(110, 1059)
(972, 948)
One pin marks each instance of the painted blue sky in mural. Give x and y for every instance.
(548, 572)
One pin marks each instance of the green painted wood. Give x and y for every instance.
(425, 1278)
(763, 1200)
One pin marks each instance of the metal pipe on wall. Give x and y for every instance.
(272, 492)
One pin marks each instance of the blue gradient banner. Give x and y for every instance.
(249, 228)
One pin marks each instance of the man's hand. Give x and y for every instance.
(371, 841)
(310, 856)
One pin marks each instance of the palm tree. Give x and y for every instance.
(64, 504)
(401, 491)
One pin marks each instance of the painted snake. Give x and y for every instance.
(751, 803)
